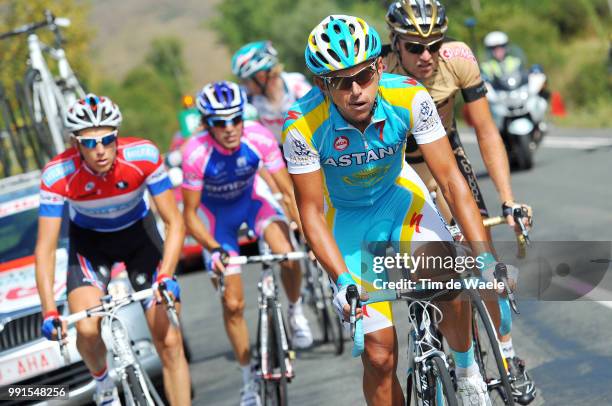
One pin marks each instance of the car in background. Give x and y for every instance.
(26, 357)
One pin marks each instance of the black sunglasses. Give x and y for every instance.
(92, 142)
(363, 77)
(224, 122)
(418, 49)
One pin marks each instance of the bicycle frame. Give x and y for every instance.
(117, 341)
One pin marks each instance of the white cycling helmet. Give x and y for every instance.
(495, 39)
(92, 111)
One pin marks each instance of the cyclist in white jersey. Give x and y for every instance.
(272, 90)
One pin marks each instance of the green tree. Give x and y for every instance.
(14, 51)
(166, 58)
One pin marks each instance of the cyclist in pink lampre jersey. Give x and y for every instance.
(220, 178)
(272, 90)
(102, 182)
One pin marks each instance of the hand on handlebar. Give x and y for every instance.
(341, 302)
(51, 322)
(217, 261)
(489, 271)
(170, 285)
(519, 216)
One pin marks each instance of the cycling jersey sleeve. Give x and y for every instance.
(195, 155)
(300, 155)
(51, 204)
(53, 186)
(465, 67)
(266, 146)
(426, 124)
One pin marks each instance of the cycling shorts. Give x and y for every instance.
(223, 220)
(92, 254)
(406, 213)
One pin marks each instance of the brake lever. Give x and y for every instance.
(57, 323)
(501, 274)
(352, 296)
(518, 214)
(169, 302)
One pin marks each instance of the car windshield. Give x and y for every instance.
(18, 235)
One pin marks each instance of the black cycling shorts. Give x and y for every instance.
(92, 255)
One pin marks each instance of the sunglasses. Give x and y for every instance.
(92, 142)
(363, 77)
(221, 122)
(418, 49)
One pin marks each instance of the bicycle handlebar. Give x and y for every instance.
(50, 21)
(108, 305)
(242, 260)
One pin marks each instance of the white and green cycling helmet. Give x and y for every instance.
(254, 57)
(340, 42)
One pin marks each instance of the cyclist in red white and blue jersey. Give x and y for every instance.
(220, 167)
(103, 181)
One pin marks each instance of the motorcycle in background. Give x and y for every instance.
(518, 102)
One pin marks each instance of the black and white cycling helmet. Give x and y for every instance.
(496, 39)
(92, 111)
(423, 18)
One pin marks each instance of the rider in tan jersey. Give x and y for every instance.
(457, 71)
(420, 50)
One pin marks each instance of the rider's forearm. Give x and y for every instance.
(322, 243)
(198, 230)
(45, 276)
(495, 159)
(465, 211)
(175, 236)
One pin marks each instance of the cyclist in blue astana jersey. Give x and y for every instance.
(344, 143)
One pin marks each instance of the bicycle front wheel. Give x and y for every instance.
(137, 394)
(487, 353)
(274, 388)
(433, 387)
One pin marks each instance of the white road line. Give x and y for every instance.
(595, 294)
(552, 141)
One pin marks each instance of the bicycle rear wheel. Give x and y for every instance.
(12, 131)
(487, 353)
(27, 128)
(321, 303)
(35, 109)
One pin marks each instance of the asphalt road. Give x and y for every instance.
(566, 343)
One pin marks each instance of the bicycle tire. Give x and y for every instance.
(27, 127)
(441, 387)
(276, 389)
(8, 117)
(135, 387)
(493, 370)
(41, 128)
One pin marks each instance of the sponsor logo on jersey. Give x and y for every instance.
(122, 184)
(360, 158)
(341, 143)
(56, 172)
(89, 186)
(457, 52)
(241, 161)
(145, 152)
